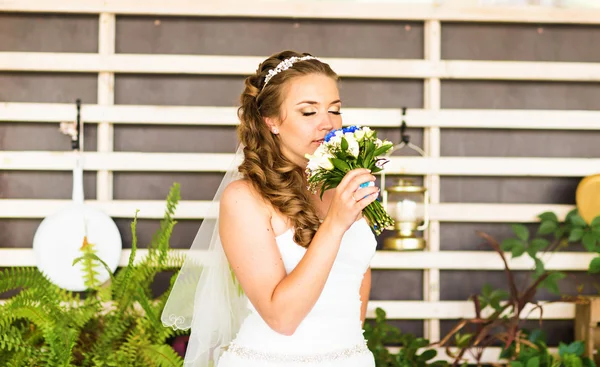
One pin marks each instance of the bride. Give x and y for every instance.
(286, 279)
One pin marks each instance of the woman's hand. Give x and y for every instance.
(350, 199)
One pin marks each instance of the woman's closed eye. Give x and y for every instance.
(313, 113)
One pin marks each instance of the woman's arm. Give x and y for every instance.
(365, 291)
(283, 300)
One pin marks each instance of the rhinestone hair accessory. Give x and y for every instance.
(284, 65)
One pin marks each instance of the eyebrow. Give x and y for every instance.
(315, 102)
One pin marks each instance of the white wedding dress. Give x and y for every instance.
(331, 335)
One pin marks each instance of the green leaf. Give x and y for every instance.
(509, 243)
(427, 355)
(516, 364)
(382, 149)
(537, 335)
(576, 234)
(594, 265)
(578, 221)
(548, 216)
(551, 282)
(340, 164)
(576, 348)
(539, 268)
(518, 250)
(536, 245)
(533, 362)
(486, 290)
(521, 231)
(547, 227)
(562, 349)
(595, 222)
(589, 241)
(344, 144)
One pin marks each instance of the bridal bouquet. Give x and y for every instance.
(341, 151)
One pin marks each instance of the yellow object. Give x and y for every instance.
(587, 197)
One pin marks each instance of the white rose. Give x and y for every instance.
(352, 144)
(325, 163)
(359, 134)
(336, 140)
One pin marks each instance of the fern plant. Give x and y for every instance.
(114, 324)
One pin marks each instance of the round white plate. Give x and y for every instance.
(60, 236)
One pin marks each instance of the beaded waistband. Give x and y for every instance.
(255, 355)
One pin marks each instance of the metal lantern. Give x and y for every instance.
(407, 203)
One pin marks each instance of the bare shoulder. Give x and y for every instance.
(241, 196)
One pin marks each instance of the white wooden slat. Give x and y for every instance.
(217, 162)
(388, 260)
(374, 117)
(198, 209)
(345, 67)
(432, 146)
(106, 96)
(456, 309)
(309, 9)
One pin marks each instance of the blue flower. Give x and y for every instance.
(350, 129)
(331, 134)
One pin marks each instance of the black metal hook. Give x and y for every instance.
(75, 143)
(405, 138)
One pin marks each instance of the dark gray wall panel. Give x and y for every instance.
(456, 285)
(48, 87)
(397, 285)
(556, 330)
(235, 36)
(463, 236)
(17, 233)
(43, 185)
(155, 186)
(525, 190)
(42, 136)
(194, 90)
(175, 139)
(181, 238)
(381, 93)
(523, 42)
(520, 143)
(520, 95)
(48, 32)
(178, 90)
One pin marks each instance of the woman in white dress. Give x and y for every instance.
(302, 262)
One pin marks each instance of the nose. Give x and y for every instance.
(326, 122)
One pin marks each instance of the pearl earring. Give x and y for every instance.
(275, 130)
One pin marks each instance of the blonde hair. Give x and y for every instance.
(278, 180)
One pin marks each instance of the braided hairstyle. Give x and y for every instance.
(278, 180)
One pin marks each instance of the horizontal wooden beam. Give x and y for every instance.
(388, 260)
(374, 117)
(217, 162)
(312, 10)
(345, 67)
(200, 209)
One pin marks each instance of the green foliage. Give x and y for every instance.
(533, 352)
(503, 324)
(412, 351)
(115, 324)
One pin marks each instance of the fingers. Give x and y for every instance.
(368, 199)
(363, 193)
(351, 176)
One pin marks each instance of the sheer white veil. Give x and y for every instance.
(206, 296)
